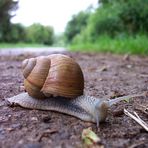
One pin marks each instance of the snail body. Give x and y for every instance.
(75, 107)
(56, 83)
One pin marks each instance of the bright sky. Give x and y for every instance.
(55, 13)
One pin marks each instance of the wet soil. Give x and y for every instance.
(106, 76)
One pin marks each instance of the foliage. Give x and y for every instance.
(120, 45)
(113, 17)
(118, 16)
(76, 25)
(14, 33)
(17, 33)
(38, 33)
(59, 40)
(6, 9)
(117, 26)
(134, 16)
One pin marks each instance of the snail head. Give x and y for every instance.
(101, 111)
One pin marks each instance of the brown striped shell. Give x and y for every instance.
(56, 74)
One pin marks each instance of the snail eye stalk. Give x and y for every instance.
(97, 119)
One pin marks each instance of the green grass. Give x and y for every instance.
(19, 45)
(121, 45)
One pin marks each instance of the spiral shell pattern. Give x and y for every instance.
(56, 74)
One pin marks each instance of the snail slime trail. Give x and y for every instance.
(49, 88)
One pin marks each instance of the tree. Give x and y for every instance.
(118, 18)
(134, 16)
(6, 9)
(17, 33)
(76, 24)
(38, 33)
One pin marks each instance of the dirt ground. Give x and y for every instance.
(106, 76)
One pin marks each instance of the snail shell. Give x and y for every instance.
(56, 74)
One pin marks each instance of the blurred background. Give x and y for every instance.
(116, 26)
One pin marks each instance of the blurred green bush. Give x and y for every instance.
(112, 17)
(117, 19)
(38, 33)
(14, 33)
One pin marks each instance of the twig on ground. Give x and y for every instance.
(137, 119)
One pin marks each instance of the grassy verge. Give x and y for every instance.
(19, 45)
(120, 45)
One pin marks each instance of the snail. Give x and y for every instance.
(55, 82)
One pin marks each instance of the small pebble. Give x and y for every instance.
(9, 116)
(2, 104)
(34, 119)
(16, 126)
(126, 57)
(129, 66)
(9, 129)
(22, 88)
